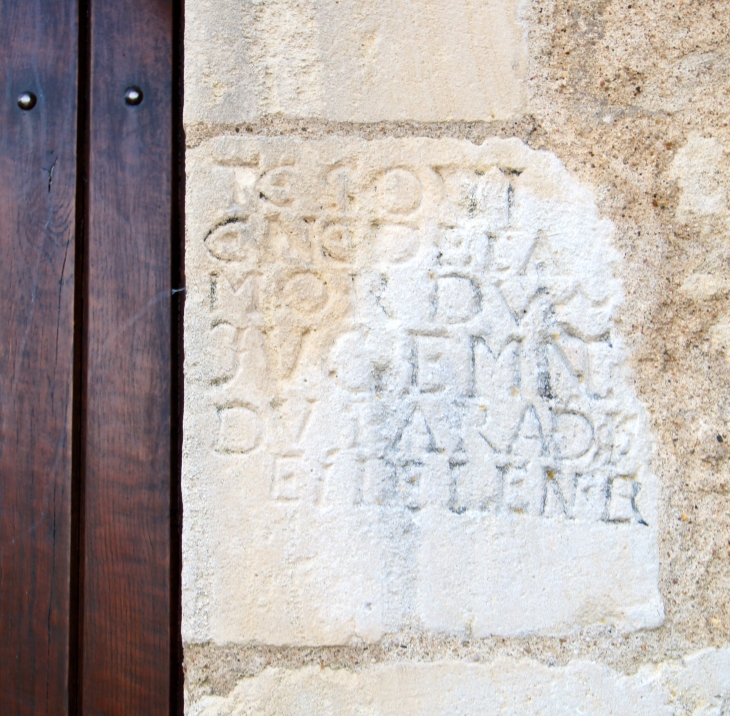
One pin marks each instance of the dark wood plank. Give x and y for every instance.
(178, 305)
(127, 640)
(38, 53)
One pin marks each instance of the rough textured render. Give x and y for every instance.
(457, 341)
(354, 60)
(403, 374)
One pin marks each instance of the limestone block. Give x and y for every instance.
(354, 60)
(697, 167)
(696, 686)
(406, 404)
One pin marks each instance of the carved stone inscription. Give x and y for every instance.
(406, 401)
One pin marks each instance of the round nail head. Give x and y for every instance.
(133, 96)
(27, 100)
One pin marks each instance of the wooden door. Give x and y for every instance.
(89, 357)
(37, 284)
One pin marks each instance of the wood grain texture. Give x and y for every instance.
(38, 53)
(127, 640)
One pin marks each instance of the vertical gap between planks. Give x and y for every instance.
(177, 354)
(79, 365)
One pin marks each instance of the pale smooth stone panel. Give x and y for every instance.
(354, 60)
(696, 686)
(406, 404)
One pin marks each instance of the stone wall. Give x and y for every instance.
(457, 339)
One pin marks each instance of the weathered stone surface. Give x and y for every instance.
(698, 169)
(406, 403)
(698, 685)
(633, 99)
(354, 60)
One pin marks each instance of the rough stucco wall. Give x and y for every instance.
(632, 98)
